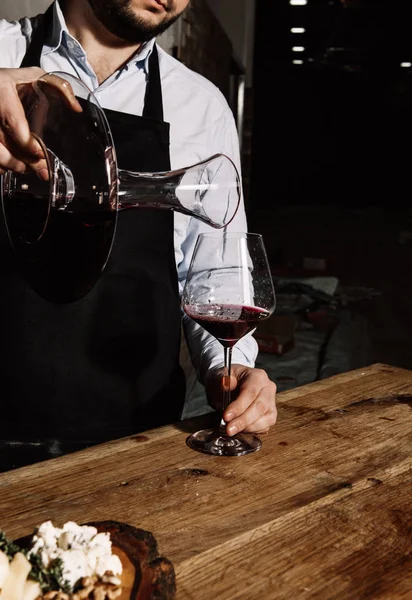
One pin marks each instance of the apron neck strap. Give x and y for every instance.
(153, 102)
(41, 27)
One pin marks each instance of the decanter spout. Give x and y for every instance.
(208, 190)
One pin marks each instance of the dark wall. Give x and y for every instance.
(337, 129)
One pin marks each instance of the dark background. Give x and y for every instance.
(337, 129)
(331, 162)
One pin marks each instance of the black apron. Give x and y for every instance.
(107, 365)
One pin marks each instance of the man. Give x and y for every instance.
(108, 364)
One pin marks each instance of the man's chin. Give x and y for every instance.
(134, 22)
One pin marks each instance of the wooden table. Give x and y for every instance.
(323, 511)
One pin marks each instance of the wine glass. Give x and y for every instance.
(62, 229)
(228, 291)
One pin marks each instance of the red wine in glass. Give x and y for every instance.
(228, 291)
(228, 322)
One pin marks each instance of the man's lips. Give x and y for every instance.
(157, 5)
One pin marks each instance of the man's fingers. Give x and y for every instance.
(229, 383)
(14, 85)
(258, 412)
(248, 423)
(30, 159)
(253, 410)
(13, 159)
(64, 88)
(250, 388)
(8, 162)
(14, 124)
(262, 425)
(38, 77)
(19, 148)
(26, 75)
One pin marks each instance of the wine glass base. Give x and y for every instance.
(211, 441)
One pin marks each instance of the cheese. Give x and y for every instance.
(83, 551)
(13, 587)
(32, 590)
(4, 568)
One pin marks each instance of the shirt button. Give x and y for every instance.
(70, 45)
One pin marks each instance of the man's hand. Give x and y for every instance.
(253, 406)
(19, 149)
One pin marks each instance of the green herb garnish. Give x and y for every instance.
(49, 578)
(7, 546)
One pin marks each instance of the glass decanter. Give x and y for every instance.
(62, 230)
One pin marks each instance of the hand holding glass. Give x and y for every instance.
(228, 291)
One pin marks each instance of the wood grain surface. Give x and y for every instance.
(323, 511)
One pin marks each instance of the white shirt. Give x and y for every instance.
(201, 124)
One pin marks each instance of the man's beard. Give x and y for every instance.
(118, 18)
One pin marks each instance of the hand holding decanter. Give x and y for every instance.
(56, 220)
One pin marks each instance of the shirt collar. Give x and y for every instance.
(54, 37)
(59, 33)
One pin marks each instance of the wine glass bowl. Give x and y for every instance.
(228, 291)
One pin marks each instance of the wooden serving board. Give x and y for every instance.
(146, 575)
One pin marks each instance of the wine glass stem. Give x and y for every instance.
(226, 384)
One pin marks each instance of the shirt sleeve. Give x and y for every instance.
(206, 352)
(13, 42)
